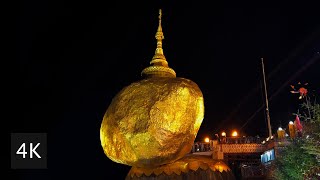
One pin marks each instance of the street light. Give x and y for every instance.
(223, 134)
(206, 140)
(234, 134)
(292, 131)
(224, 137)
(281, 133)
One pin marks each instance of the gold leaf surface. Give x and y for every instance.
(152, 122)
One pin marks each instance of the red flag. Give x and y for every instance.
(298, 123)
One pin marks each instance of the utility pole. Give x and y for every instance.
(266, 95)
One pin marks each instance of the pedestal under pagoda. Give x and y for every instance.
(152, 123)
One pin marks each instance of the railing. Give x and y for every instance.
(232, 144)
(246, 141)
(240, 140)
(201, 147)
(242, 148)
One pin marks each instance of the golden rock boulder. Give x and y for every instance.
(152, 122)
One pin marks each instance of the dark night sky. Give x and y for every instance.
(73, 57)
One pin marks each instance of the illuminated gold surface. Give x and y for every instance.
(158, 71)
(183, 165)
(159, 65)
(152, 122)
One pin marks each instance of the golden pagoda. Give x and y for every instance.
(153, 121)
(159, 63)
(151, 125)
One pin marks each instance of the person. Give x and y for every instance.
(216, 137)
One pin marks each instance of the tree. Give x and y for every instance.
(294, 162)
(301, 159)
(312, 133)
(312, 141)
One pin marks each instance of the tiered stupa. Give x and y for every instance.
(152, 123)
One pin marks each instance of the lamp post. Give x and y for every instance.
(206, 145)
(281, 133)
(292, 130)
(224, 137)
(234, 135)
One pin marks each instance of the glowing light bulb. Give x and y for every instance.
(206, 140)
(234, 133)
(224, 134)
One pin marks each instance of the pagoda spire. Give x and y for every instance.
(159, 65)
(159, 56)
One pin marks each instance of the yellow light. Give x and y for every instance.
(206, 140)
(223, 134)
(290, 122)
(234, 133)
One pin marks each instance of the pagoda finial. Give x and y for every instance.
(159, 56)
(159, 62)
(159, 26)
